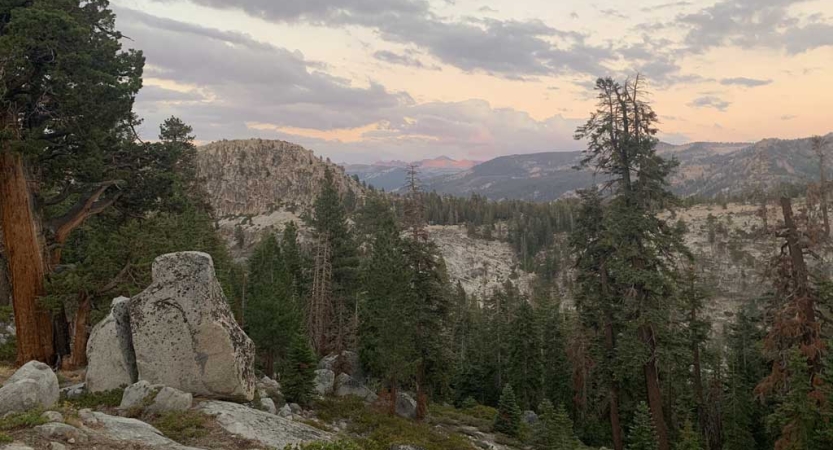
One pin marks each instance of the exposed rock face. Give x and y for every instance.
(131, 432)
(267, 429)
(248, 177)
(324, 381)
(33, 385)
(155, 398)
(112, 363)
(346, 385)
(184, 334)
(406, 406)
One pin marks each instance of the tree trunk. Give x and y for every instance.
(615, 423)
(698, 378)
(25, 258)
(80, 336)
(654, 391)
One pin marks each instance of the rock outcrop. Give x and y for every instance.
(406, 406)
(267, 429)
(324, 381)
(112, 362)
(349, 363)
(345, 385)
(184, 334)
(34, 385)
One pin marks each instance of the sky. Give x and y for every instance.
(360, 81)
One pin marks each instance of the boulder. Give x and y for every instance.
(155, 398)
(112, 363)
(139, 395)
(169, 399)
(268, 405)
(529, 417)
(53, 416)
(346, 385)
(324, 381)
(270, 386)
(184, 334)
(74, 391)
(33, 386)
(266, 429)
(349, 364)
(285, 411)
(57, 446)
(406, 406)
(16, 446)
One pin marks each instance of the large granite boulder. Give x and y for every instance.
(112, 363)
(34, 385)
(184, 334)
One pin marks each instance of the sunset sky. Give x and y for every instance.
(367, 80)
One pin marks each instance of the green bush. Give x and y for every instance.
(5, 438)
(16, 421)
(94, 400)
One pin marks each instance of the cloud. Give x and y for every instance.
(248, 78)
(232, 86)
(662, 6)
(613, 13)
(487, 9)
(710, 102)
(403, 59)
(754, 24)
(789, 117)
(746, 82)
(506, 48)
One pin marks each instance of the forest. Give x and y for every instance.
(627, 358)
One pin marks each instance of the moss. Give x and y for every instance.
(478, 416)
(181, 426)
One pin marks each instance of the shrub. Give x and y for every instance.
(93, 400)
(338, 445)
(16, 421)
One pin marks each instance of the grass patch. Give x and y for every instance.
(181, 426)
(378, 430)
(26, 419)
(5, 438)
(94, 400)
(480, 417)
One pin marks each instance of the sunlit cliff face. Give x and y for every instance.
(362, 80)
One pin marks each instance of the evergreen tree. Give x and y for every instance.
(387, 338)
(557, 369)
(508, 419)
(554, 429)
(331, 314)
(526, 357)
(640, 267)
(689, 439)
(294, 260)
(68, 91)
(272, 314)
(642, 435)
(299, 374)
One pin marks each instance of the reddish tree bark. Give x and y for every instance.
(24, 252)
(654, 391)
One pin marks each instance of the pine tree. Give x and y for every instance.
(689, 439)
(557, 369)
(526, 366)
(62, 132)
(331, 312)
(642, 435)
(272, 314)
(639, 269)
(294, 260)
(299, 374)
(387, 338)
(554, 429)
(508, 419)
